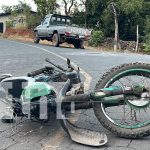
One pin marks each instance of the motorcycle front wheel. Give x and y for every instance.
(131, 119)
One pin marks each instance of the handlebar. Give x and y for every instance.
(47, 69)
(57, 66)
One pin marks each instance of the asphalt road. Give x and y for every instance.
(20, 58)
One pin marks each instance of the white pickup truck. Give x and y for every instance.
(58, 29)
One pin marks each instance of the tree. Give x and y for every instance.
(20, 7)
(85, 4)
(68, 4)
(133, 7)
(6, 9)
(147, 34)
(128, 18)
(45, 7)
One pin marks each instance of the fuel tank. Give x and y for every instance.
(36, 89)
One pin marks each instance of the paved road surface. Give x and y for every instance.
(20, 58)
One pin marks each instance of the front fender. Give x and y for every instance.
(36, 89)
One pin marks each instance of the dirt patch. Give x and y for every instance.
(26, 35)
(18, 32)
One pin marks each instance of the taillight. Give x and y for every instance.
(67, 33)
(87, 36)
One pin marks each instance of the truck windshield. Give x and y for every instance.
(60, 20)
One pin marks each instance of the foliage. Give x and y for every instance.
(78, 18)
(32, 19)
(9, 24)
(130, 13)
(132, 6)
(147, 35)
(15, 9)
(147, 47)
(45, 7)
(97, 38)
(6, 9)
(147, 28)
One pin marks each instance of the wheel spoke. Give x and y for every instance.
(130, 116)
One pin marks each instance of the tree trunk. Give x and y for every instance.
(116, 39)
(116, 34)
(85, 18)
(86, 5)
(137, 38)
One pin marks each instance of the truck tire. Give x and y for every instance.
(79, 44)
(36, 38)
(55, 40)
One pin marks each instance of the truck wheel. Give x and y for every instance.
(79, 44)
(55, 40)
(82, 44)
(36, 38)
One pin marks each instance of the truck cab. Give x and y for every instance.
(52, 20)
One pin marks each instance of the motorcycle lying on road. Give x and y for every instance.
(121, 99)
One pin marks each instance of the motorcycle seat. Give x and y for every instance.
(14, 86)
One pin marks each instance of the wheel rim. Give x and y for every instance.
(132, 114)
(36, 38)
(36, 35)
(54, 40)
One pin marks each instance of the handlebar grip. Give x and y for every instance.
(37, 72)
(57, 66)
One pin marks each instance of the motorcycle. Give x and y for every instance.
(121, 99)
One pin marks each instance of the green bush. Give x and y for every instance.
(9, 24)
(147, 47)
(32, 20)
(147, 36)
(97, 38)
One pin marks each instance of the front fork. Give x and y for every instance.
(109, 96)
